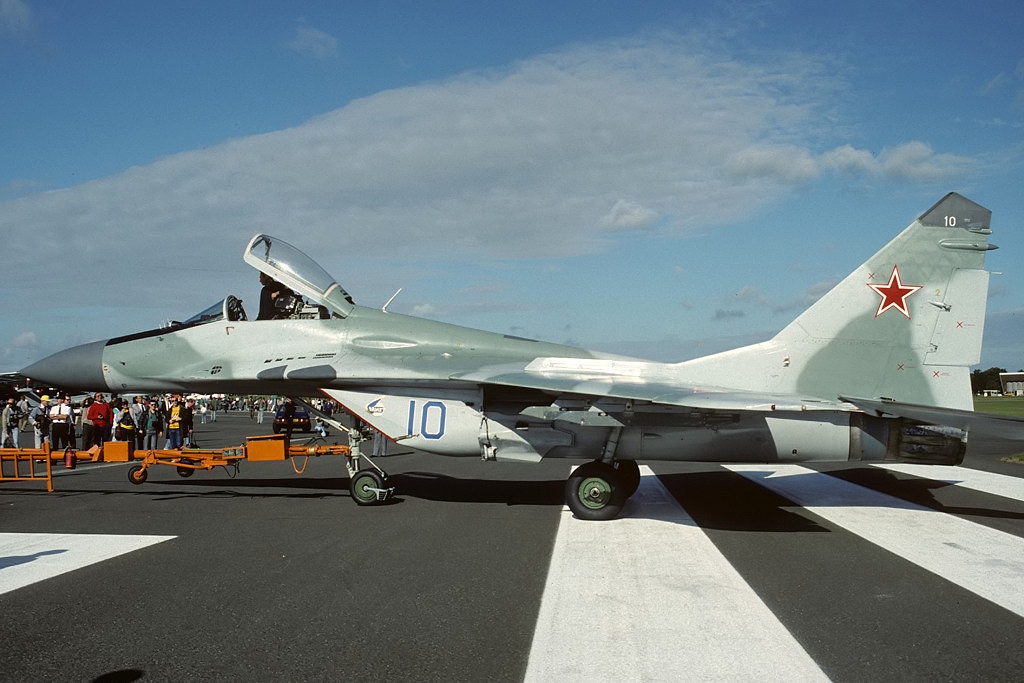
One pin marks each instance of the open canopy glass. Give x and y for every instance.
(297, 271)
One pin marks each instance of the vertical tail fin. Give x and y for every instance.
(905, 325)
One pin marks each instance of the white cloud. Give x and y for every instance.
(918, 161)
(531, 160)
(848, 160)
(786, 164)
(313, 42)
(25, 339)
(783, 163)
(627, 215)
(485, 162)
(22, 343)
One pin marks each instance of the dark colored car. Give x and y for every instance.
(300, 421)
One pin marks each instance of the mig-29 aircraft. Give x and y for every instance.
(877, 369)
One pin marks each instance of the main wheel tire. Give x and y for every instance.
(595, 491)
(363, 487)
(185, 472)
(137, 474)
(629, 473)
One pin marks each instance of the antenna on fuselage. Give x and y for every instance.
(384, 308)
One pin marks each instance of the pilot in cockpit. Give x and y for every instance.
(272, 293)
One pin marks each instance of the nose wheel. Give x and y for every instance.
(368, 486)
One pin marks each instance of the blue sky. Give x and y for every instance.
(659, 179)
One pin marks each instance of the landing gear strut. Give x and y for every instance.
(598, 490)
(629, 471)
(368, 486)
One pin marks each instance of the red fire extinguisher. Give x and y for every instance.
(70, 458)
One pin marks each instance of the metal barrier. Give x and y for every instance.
(19, 464)
(368, 486)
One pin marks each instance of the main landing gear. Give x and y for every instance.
(597, 490)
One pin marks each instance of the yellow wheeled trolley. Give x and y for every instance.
(368, 485)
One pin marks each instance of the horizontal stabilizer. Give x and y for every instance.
(1005, 426)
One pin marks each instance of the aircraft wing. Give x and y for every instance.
(12, 378)
(626, 380)
(1009, 427)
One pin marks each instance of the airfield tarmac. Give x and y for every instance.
(843, 572)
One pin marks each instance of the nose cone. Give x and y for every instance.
(80, 367)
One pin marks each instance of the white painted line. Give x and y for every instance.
(986, 482)
(648, 597)
(28, 558)
(985, 561)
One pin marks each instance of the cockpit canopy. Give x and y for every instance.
(229, 308)
(297, 271)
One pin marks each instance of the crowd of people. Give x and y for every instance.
(142, 422)
(145, 422)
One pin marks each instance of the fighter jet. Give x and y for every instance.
(876, 369)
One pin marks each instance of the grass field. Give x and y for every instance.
(1000, 405)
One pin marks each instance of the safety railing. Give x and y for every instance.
(27, 464)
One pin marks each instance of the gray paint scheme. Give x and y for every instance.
(458, 391)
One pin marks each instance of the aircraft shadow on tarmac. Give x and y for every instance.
(424, 485)
(723, 500)
(923, 492)
(715, 499)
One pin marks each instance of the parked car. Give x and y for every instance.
(300, 421)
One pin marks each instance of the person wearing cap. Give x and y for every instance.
(40, 419)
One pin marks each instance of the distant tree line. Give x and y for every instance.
(986, 380)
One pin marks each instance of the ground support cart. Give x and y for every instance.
(368, 486)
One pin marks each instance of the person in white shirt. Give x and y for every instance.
(61, 416)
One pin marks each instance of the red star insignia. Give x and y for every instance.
(894, 294)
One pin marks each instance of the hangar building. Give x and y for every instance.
(1013, 383)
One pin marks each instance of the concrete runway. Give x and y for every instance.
(843, 572)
